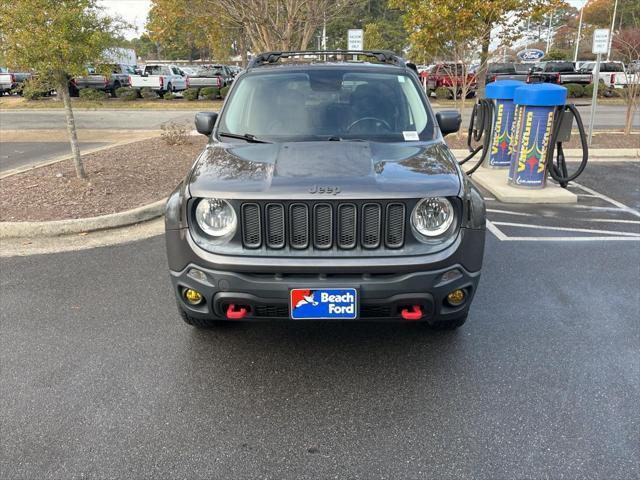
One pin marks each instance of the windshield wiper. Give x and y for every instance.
(246, 136)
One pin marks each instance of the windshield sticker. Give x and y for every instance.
(401, 78)
(410, 136)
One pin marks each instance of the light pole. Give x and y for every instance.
(575, 55)
(613, 21)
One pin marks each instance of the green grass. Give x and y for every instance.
(19, 103)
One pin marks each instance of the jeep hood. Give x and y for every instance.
(308, 170)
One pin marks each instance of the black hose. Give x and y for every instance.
(558, 170)
(480, 125)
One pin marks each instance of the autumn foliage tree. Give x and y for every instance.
(279, 24)
(57, 39)
(437, 26)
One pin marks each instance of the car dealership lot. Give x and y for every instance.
(101, 378)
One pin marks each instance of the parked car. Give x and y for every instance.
(235, 70)
(507, 71)
(612, 74)
(559, 73)
(12, 81)
(161, 78)
(119, 77)
(451, 76)
(211, 76)
(326, 191)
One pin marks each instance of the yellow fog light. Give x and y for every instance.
(192, 296)
(456, 297)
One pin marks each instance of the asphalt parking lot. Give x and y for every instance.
(101, 378)
(22, 154)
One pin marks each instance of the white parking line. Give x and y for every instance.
(509, 212)
(568, 229)
(611, 220)
(618, 204)
(496, 231)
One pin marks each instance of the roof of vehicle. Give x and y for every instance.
(329, 59)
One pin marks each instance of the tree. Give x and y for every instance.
(364, 12)
(627, 45)
(279, 24)
(373, 39)
(57, 39)
(434, 24)
(186, 28)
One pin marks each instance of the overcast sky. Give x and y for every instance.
(133, 11)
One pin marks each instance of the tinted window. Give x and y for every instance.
(559, 67)
(318, 104)
(501, 68)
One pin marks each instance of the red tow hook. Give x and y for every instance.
(414, 314)
(234, 314)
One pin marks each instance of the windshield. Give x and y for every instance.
(328, 104)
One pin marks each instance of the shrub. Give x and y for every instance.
(574, 90)
(174, 133)
(33, 89)
(169, 96)
(224, 91)
(92, 94)
(126, 94)
(614, 93)
(209, 93)
(191, 94)
(443, 93)
(148, 93)
(588, 90)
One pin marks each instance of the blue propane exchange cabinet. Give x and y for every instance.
(536, 107)
(502, 92)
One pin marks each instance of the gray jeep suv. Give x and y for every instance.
(326, 191)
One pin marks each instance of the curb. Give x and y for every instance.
(57, 228)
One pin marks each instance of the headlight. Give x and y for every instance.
(433, 216)
(216, 217)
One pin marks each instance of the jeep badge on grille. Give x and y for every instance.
(324, 190)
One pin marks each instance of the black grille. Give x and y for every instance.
(251, 234)
(281, 310)
(299, 225)
(323, 225)
(275, 225)
(271, 311)
(394, 237)
(371, 222)
(346, 225)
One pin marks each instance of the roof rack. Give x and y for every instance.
(383, 56)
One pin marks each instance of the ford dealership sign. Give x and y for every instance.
(530, 55)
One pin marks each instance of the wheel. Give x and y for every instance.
(449, 324)
(201, 322)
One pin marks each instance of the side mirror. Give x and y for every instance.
(205, 122)
(449, 121)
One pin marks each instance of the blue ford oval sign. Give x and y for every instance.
(530, 55)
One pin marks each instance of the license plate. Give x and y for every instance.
(324, 303)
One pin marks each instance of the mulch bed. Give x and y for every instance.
(600, 140)
(119, 178)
